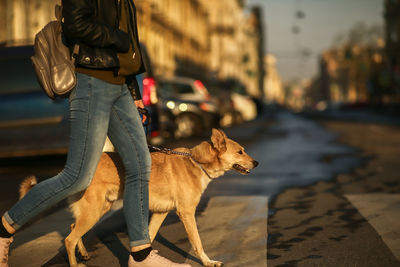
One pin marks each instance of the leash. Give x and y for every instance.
(185, 154)
(170, 151)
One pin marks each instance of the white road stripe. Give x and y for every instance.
(383, 212)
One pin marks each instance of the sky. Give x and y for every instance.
(324, 19)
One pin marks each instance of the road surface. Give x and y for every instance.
(313, 201)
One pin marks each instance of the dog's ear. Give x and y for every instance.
(218, 140)
(204, 153)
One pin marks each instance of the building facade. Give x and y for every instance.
(353, 73)
(176, 36)
(203, 39)
(274, 91)
(22, 19)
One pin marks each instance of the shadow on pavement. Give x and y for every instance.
(162, 240)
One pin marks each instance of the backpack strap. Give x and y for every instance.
(59, 17)
(58, 12)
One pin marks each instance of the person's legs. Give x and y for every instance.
(89, 117)
(90, 105)
(127, 135)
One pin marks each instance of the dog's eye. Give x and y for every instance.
(240, 152)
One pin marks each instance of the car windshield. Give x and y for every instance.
(168, 89)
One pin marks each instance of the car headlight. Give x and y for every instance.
(170, 104)
(183, 107)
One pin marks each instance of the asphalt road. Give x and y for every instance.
(319, 176)
(14, 170)
(352, 219)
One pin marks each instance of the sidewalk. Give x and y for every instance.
(232, 229)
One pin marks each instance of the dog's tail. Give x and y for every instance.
(26, 185)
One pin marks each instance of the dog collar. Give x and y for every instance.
(201, 167)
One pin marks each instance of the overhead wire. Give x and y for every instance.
(303, 53)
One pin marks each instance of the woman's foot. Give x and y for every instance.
(154, 260)
(4, 248)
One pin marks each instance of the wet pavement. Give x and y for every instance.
(293, 151)
(351, 219)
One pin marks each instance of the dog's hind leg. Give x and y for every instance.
(82, 225)
(70, 244)
(189, 221)
(82, 250)
(155, 223)
(81, 247)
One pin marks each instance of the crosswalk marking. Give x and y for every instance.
(383, 212)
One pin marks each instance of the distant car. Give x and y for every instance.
(234, 104)
(245, 106)
(189, 103)
(178, 106)
(161, 121)
(243, 103)
(223, 98)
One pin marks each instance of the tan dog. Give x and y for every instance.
(176, 183)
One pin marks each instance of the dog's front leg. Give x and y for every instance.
(189, 221)
(155, 223)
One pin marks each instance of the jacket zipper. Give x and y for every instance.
(117, 71)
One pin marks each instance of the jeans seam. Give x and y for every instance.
(139, 174)
(87, 128)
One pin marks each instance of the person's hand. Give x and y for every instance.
(139, 104)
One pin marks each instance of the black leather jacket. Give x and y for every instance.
(94, 25)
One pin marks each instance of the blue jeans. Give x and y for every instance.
(97, 108)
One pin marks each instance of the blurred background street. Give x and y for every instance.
(311, 89)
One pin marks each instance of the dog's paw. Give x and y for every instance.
(213, 264)
(85, 257)
(78, 265)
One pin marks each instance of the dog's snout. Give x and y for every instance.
(255, 163)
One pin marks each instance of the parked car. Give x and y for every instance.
(33, 124)
(30, 122)
(234, 105)
(161, 122)
(178, 106)
(228, 114)
(242, 102)
(245, 106)
(188, 103)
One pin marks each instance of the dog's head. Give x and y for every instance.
(224, 154)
